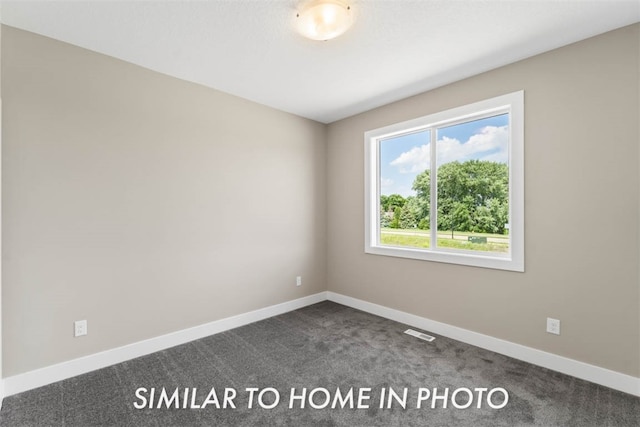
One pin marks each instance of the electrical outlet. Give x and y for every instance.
(80, 328)
(553, 326)
(298, 280)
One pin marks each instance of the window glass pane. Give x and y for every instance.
(473, 185)
(452, 192)
(404, 190)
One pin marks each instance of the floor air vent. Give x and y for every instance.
(419, 335)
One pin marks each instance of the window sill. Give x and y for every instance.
(471, 259)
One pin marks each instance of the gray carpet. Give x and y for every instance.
(323, 346)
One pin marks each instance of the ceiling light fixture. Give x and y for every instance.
(324, 19)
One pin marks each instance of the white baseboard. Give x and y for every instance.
(585, 371)
(50, 374)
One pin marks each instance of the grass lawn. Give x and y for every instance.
(416, 238)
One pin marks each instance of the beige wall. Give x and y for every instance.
(1, 370)
(144, 204)
(581, 210)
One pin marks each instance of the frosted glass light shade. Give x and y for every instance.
(324, 19)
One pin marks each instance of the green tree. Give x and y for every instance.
(384, 202)
(395, 222)
(407, 217)
(472, 196)
(421, 185)
(391, 202)
(384, 219)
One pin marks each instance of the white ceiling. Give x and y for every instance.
(249, 48)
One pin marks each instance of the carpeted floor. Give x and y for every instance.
(327, 349)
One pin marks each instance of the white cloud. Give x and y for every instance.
(490, 143)
(385, 182)
(413, 161)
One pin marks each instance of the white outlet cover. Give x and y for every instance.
(553, 326)
(80, 328)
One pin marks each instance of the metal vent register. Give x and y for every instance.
(419, 335)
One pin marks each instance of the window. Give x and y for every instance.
(449, 187)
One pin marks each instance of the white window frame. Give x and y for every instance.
(512, 103)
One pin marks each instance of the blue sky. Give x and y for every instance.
(404, 157)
